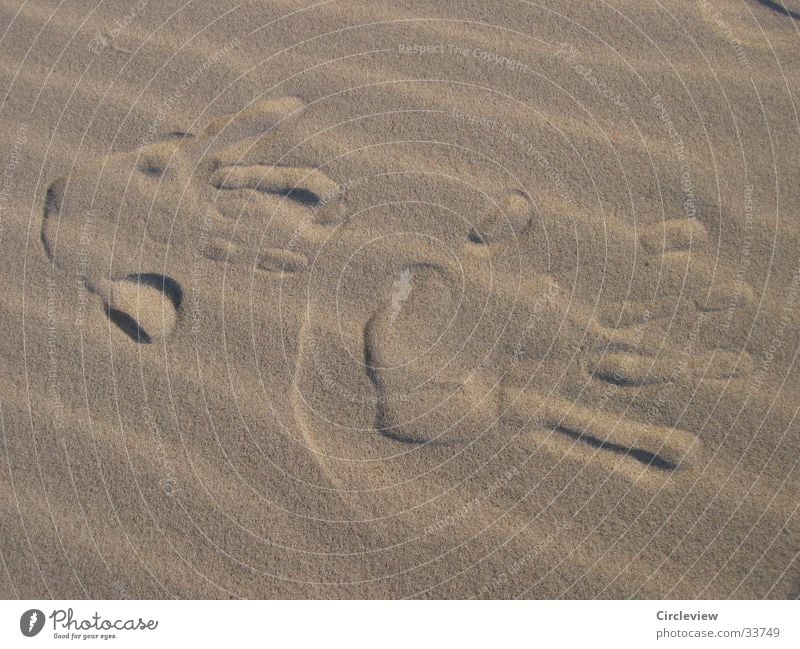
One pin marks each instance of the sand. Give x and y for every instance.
(407, 299)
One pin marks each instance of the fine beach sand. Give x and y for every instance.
(400, 299)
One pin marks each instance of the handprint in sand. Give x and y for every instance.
(412, 322)
(475, 352)
(129, 226)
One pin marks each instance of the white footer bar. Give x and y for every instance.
(385, 625)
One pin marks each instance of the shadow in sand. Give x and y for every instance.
(645, 457)
(127, 323)
(776, 5)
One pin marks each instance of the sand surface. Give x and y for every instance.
(400, 298)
